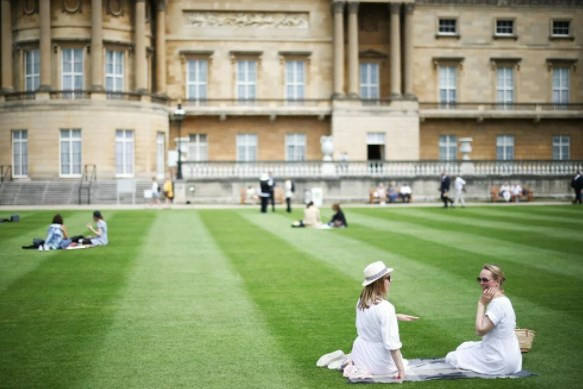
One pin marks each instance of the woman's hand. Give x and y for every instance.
(403, 317)
(487, 296)
(89, 226)
(400, 376)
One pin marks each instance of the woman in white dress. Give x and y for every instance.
(498, 353)
(378, 346)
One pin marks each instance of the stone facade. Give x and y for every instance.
(400, 42)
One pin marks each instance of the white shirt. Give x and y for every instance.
(459, 184)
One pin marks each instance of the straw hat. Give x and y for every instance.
(374, 271)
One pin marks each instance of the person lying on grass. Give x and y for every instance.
(499, 352)
(100, 232)
(378, 346)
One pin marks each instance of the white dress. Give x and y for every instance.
(378, 333)
(498, 353)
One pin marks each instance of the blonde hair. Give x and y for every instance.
(497, 273)
(372, 294)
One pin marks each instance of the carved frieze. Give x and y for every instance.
(30, 7)
(229, 19)
(71, 6)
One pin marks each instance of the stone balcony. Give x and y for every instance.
(484, 111)
(79, 95)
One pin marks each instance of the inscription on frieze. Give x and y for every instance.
(228, 19)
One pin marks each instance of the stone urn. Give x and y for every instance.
(327, 147)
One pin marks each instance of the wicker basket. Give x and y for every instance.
(525, 338)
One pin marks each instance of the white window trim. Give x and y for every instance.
(447, 86)
(73, 74)
(560, 145)
(449, 144)
(197, 82)
(569, 34)
(247, 137)
(114, 75)
(367, 84)
(70, 175)
(246, 83)
(568, 88)
(294, 83)
(33, 76)
(454, 34)
(20, 141)
(197, 145)
(294, 137)
(125, 142)
(512, 34)
(505, 144)
(505, 88)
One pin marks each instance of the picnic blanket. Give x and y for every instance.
(419, 370)
(80, 246)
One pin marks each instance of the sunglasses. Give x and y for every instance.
(480, 279)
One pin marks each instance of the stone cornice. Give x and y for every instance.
(507, 3)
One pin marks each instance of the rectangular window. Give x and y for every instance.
(447, 85)
(561, 147)
(447, 27)
(561, 28)
(114, 70)
(246, 147)
(160, 152)
(246, 80)
(447, 148)
(505, 147)
(72, 71)
(20, 153)
(196, 79)
(124, 153)
(295, 80)
(70, 152)
(369, 81)
(561, 85)
(295, 147)
(31, 70)
(504, 27)
(504, 86)
(197, 147)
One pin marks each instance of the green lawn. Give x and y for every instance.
(238, 299)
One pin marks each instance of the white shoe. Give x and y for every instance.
(41, 248)
(325, 360)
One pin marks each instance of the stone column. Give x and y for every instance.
(7, 82)
(96, 45)
(409, 50)
(161, 48)
(353, 49)
(338, 9)
(395, 50)
(45, 46)
(140, 41)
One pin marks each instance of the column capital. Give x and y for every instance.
(409, 8)
(337, 7)
(353, 6)
(394, 7)
(162, 4)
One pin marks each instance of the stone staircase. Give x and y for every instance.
(65, 192)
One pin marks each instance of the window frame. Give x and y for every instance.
(22, 145)
(247, 137)
(124, 141)
(246, 84)
(70, 140)
(35, 76)
(504, 155)
(370, 86)
(447, 88)
(505, 35)
(449, 143)
(73, 74)
(560, 145)
(294, 84)
(198, 145)
(553, 35)
(115, 76)
(560, 89)
(446, 34)
(198, 82)
(504, 102)
(296, 141)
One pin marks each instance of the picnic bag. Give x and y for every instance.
(525, 338)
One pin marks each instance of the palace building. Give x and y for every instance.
(97, 82)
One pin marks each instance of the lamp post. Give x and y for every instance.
(178, 117)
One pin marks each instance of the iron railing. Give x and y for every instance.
(5, 173)
(87, 178)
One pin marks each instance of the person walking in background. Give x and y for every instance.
(271, 183)
(460, 188)
(444, 189)
(155, 192)
(577, 185)
(168, 191)
(289, 193)
(264, 192)
(498, 352)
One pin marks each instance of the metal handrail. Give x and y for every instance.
(87, 178)
(5, 173)
(510, 106)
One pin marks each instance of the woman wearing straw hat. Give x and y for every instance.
(378, 346)
(498, 352)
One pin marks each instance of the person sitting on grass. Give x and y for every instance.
(100, 232)
(57, 235)
(377, 349)
(338, 219)
(311, 217)
(499, 352)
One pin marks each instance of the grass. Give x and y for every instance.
(234, 298)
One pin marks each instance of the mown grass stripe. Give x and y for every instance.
(494, 213)
(307, 305)
(52, 318)
(185, 319)
(477, 241)
(520, 225)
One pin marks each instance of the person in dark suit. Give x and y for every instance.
(444, 189)
(577, 185)
(264, 192)
(271, 183)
